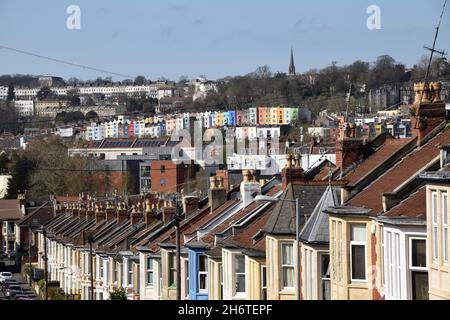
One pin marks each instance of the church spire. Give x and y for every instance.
(291, 64)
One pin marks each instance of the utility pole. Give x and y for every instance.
(177, 236)
(45, 265)
(91, 264)
(29, 253)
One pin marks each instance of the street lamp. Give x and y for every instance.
(91, 263)
(262, 198)
(33, 223)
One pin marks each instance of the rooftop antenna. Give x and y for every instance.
(348, 99)
(432, 51)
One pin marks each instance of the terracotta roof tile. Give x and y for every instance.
(10, 210)
(415, 206)
(371, 197)
(390, 147)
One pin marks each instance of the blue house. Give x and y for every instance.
(232, 118)
(162, 128)
(125, 130)
(198, 272)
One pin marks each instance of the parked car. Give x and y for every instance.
(25, 298)
(12, 289)
(5, 276)
(17, 296)
(5, 285)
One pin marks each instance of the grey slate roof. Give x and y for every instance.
(282, 219)
(316, 229)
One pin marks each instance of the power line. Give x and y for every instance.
(65, 62)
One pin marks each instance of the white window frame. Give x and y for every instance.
(358, 243)
(321, 254)
(235, 276)
(186, 283)
(411, 267)
(106, 271)
(263, 281)
(204, 273)
(434, 227)
(340, 227)
(128, 271)
(284, 266)
(149, 270)
(444, 218)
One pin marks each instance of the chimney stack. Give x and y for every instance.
(429, 114)
(122, 213)
(136, 214)
(217, 193)
(100, 214)
(293, 171)
(90, 214)
(249, 187)
(168, 214)
(110, 212)
(190, 205)
(149, 216)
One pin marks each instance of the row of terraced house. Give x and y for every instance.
(374, 225)
(164, 125)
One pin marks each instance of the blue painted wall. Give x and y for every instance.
(194, 293)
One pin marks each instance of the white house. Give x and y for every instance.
(24, 108)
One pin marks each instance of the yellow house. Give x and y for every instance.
(437, 191)
(215, 274)
(219, 119)
(169, 271)
(351, 253)
(280, 115)
(281, 275)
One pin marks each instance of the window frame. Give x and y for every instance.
(236, 274)
(203, 273)
(410, 254)
(434, 226)
(353, 243)
(444, 227)
(148, 271)
(287, 266)
(129, 271)
(172, 270)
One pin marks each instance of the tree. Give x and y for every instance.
(11, 95)
(21, 169)
(118, 294)
(45, 94)
(91, 116)
(140, 80)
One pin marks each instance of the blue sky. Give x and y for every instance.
(216, 38)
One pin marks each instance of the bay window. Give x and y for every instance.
(263, 282)
(287, 265)
(129, 273)
(325, 273)
(202, 273)
(444, 214)
(358, 252)
(239, 273)
(149, 271)
(172, 269)
(418, 268)
(434, 221)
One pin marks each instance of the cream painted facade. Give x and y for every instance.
(215, 279)
(345, 285)
(276, 289)
(149, 279)
(315, 284)
(438, 241)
